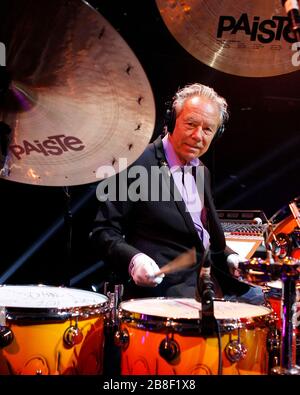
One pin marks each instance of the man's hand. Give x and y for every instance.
(233, 261)
(142, 269)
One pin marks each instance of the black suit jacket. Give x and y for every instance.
(160, 229)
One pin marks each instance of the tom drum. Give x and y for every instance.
(161, 336)
(51, 330)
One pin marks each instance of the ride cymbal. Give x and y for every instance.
(78, 98)
(245, 38)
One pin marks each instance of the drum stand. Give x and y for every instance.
(288, 271)
(113, 336)
(289, 276)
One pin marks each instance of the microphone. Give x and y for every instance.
(293, 13)
(206, 286)
(206, 293)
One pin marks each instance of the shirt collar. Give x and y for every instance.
(172, 157)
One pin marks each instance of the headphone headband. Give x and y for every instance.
(170, 121)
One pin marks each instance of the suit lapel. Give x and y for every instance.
(168, 179)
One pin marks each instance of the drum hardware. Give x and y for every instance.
(205, 294)
(6, 334)
(284, 231)
(288, 350)
(273, 347)
(282, 245)
(268, 304)
(286, 245)
(235, 350)
(114, 298)
(288, 271)
(73, 335)
(295, 235)
(122, 338)
(169, 349)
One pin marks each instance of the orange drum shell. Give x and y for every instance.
(39, 348)
(198, 355)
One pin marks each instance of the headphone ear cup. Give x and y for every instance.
(219, 132)
(170, 120)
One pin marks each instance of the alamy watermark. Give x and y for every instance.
(296, 55)
(138, 183)
(2, 54)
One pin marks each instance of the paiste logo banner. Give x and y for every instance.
(244, 38)
(256, 29)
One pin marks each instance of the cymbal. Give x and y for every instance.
(244, 38)
(78, 98)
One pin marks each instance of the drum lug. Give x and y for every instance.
(114, 299)
(235, 351)
(121, 338)
(6, 336)
(169, 349)
(72, 336)
(273, 347)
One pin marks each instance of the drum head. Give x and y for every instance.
(48, 301)
(187, 311)
(274, 288)
(275, 284)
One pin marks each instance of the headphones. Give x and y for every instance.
(170, 120)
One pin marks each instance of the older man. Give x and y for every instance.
(174, 211)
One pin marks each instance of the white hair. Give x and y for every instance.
(200, 90)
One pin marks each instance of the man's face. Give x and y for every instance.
(195, 128)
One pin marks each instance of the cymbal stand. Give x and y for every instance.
(289, 276)
(288, 271)
(68, 236)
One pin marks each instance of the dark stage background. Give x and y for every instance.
(255, 164)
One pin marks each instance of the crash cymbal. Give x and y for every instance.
(245, 38)
(78, 98)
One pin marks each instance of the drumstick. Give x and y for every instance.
(182, 261)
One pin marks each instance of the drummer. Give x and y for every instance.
(169, 208)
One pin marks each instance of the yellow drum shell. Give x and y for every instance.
(39, 333)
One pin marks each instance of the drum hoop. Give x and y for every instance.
(187, 326)
(28, 315)
(273, 293)
(45, 315)
(276, 293)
